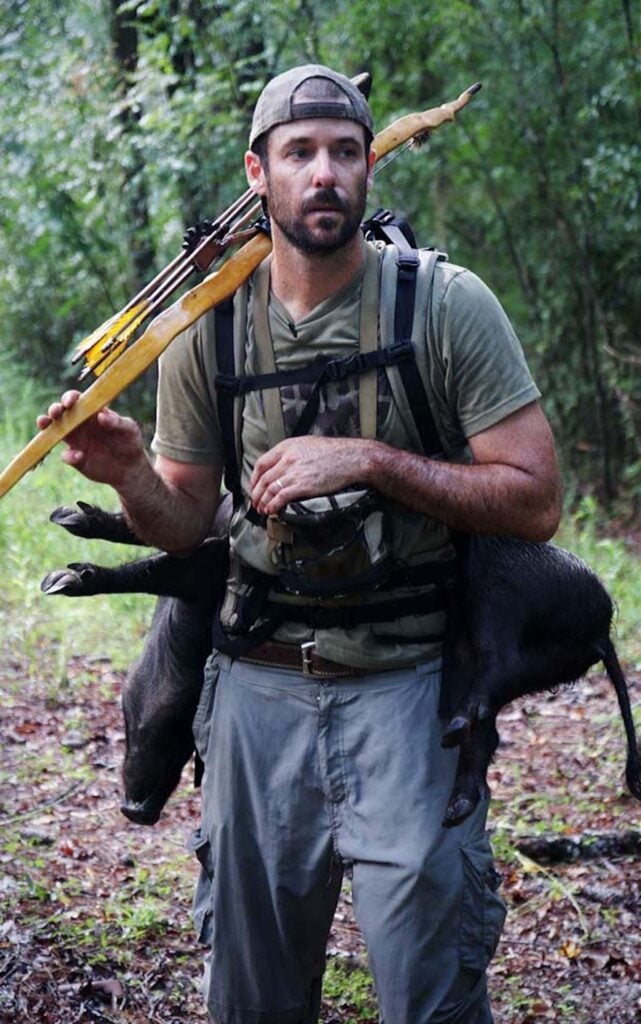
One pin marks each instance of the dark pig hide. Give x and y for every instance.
(522, 618)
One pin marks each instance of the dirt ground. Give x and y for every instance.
(94, 918)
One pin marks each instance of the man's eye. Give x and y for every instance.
(299, 153)
(348, 152)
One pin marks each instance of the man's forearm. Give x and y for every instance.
(161, 514)
(487, 498)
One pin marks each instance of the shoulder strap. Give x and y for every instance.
(368, 342)
(269, 380)
(407, 321)
(385, 226)
(274, 420)
(224, 320)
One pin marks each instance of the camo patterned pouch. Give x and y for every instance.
(331, 545)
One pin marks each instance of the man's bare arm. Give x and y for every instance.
(170, 505)
(513, 486)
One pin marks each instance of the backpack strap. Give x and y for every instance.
(272, 406)
(224, 322)
(408, 320)
(368, 342)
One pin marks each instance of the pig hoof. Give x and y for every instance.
(456, 731)
(80, 521)
(62, 581)
(141, 813)
(459, 808)
(74, 581)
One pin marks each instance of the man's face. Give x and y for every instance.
(315, 181)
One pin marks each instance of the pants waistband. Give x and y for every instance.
(301, 658)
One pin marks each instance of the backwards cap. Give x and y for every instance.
(303, 92)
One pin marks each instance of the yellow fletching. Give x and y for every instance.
(118, 342)
(87, 343)
(105, 344)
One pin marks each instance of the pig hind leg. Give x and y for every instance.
(470, 784)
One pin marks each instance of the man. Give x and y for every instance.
(322, 746)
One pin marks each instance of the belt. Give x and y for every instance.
(302, 658)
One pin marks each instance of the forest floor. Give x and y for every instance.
(95, 912)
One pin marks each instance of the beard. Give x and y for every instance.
(332, 231)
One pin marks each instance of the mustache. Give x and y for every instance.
(324, 198)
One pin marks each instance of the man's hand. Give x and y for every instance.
(106, 448)
(302, 467)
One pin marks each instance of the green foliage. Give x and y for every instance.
(350, 990)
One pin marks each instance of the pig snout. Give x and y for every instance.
(156, 752)
(151, 772)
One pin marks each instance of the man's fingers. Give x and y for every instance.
(271, 495)
(272, 482)
(265, 463)
(56, 409)
(110, 420)
(73, 457)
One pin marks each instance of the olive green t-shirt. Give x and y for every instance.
(477, 376)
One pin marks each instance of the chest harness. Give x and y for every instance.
(259, 612)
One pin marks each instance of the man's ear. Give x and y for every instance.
(255, 173)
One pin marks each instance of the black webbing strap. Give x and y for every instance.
(224, 321)
(317, 373)
(314, 373)
(348, 616)
(408, 264)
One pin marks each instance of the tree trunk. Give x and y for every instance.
(124, 37)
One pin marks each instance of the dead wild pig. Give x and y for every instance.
(522, 618)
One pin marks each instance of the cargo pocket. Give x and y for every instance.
(201, 726)
(482, 909)
(202, 905)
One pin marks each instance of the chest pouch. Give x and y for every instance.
(331, 545)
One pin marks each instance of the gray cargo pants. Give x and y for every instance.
(304, 777)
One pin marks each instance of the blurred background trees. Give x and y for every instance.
(123, 123)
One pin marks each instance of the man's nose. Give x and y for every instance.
(324, 174)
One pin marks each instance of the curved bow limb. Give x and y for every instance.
(141, 354)
(412, 125)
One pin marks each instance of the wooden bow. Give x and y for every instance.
(218, 286)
